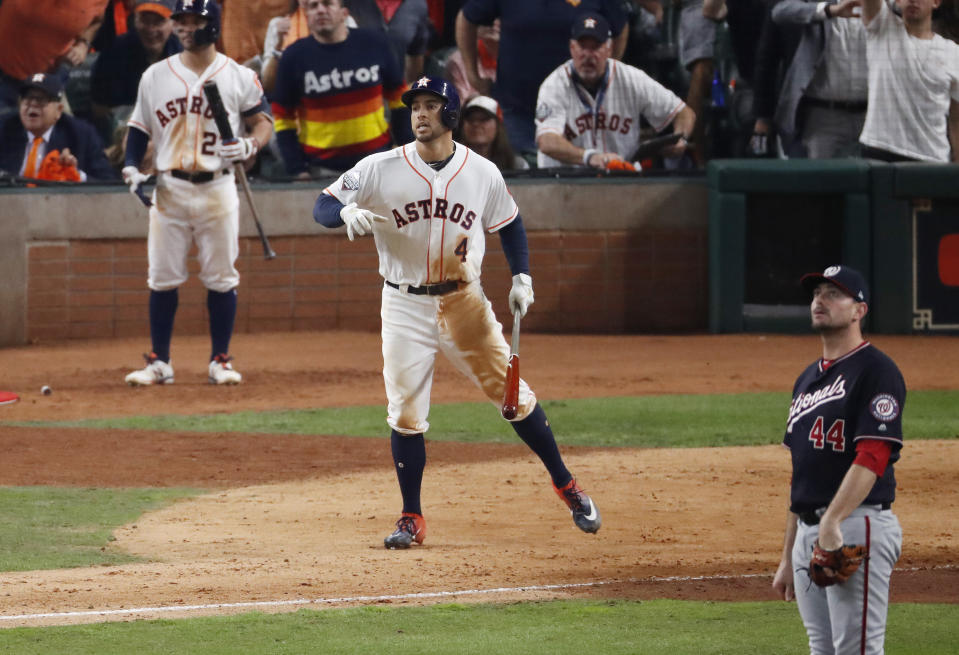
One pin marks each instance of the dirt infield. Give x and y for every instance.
(291, 519)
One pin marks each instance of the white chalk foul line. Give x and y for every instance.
(397, 597)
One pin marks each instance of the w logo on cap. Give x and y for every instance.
(38, 78)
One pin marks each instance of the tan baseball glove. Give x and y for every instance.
(829, 567)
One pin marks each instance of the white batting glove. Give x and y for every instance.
(521, 295)
(133, 178)
(239, 150)
(359, 221)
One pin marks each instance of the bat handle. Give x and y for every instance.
(515, 344)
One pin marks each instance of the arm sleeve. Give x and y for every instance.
(96, 165)
(137, 142)
(797, 12)
(882, 397)
(873, 454)
(515, 247)
(293, 158)
(770, 52)
(658, 104)
(501, 209)
(550, 105)
(355, 185)
(880, 20)
(481, 12)
(326, 211)
(254, 98)
(140, 118)
(285, 97)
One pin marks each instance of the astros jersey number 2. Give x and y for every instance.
(172, 109)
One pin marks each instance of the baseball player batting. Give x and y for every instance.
(195, 197)
(844, 433)
(428, 205)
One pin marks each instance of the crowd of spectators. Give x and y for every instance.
(756, 78)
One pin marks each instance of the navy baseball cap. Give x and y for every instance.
(847, 279)
(50, 84)
(591, 24)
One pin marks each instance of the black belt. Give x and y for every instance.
(855, 106)
(437, 289)
(812, 516)
(198, 177)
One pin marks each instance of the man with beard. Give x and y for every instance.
(844, 433)
(429, 205)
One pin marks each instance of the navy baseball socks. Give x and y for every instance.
(163, 306)
(409, 458)
(158, 370)
(222, 309)
(534, 430)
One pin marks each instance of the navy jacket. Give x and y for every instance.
(69, 132)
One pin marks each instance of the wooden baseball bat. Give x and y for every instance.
(212, 94)
(511, 392)
(653, 146)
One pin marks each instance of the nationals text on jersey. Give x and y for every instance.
(337, 79)
(806, 402)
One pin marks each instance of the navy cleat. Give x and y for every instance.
(585, 513)
(409, 529)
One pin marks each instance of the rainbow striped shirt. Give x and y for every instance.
(328, 100)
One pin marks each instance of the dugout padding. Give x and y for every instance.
(770, 221)
(608, 255)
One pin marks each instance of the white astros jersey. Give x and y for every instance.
(610, 121)
(173, 110)
(436, 218)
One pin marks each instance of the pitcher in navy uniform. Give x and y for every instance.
(844, 433)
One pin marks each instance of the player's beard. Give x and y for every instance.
(432, 134)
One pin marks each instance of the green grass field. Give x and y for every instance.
(674, 421)
(53, 528)
(557, 628)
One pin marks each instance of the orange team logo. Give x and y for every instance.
(575, 3)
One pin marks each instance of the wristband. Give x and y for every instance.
(589, 152)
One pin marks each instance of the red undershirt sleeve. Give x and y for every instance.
(873, 454)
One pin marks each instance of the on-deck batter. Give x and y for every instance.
(195, 198)
(428, 205)
(844, 433)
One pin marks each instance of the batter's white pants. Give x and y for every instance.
(462, 326)
(184, 212)
(849, 618)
